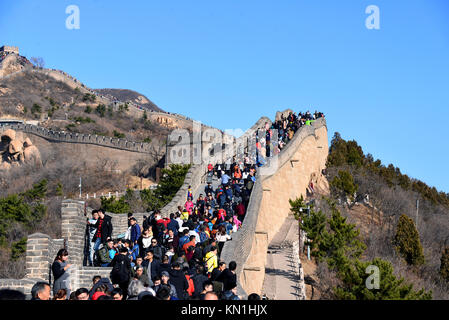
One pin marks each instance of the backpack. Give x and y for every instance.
(119, 272)
(203, 236)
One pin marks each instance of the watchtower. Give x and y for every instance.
(9, 49)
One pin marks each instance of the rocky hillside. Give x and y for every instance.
(12, 63)
(129, 96)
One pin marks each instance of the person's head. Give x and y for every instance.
(208, 286)
(163, 293)
(61, 295)
(221, 265)
(165, 259)
(214, 249)
(154, 242)
(101, 213)
(199, 269)
(139, 271)
(135, 287)
(82, 294)
(8, 294)
(171, 234)
(185, 232)
(123, 250)
(133, 221)
(254, 296)
(192, 238)
(156, 280)
(176, 266)
(110, 244)
(95, 214)
(211, 296)
(62, 255)
(139, 261)
(95, 279)
(41, 291)
(172, 216)
(128, 243)
(165, 277)
(102, 288)
(232, 266)
(117, 294)
(149, 256)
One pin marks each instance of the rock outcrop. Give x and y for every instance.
(16, 149)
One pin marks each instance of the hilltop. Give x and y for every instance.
(126, 95)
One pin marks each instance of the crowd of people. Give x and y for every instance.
(177, 257)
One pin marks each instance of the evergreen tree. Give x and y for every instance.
(407, 241)
(355, 287)
(344, 184)
(444, 267)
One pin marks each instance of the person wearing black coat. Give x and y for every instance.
(121, 271)
(198, 280)
(153, 266)
(179, 280)
(104, 229)
(228, 278)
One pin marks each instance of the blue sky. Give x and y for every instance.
(226, 63)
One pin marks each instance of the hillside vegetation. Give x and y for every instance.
(373, 208)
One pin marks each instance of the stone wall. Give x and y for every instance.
(68, 137)
(302, 158)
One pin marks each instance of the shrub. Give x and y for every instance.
(18, 249)
(89, 97)
(36, 109)
(113, 205)
(118, 135)
(101, 110)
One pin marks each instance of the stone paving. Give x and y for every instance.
(281, 278)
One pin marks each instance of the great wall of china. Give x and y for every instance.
(301, 161)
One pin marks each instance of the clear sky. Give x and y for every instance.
(226, 63)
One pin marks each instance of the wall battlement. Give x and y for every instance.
(68, 137)
(9, 49)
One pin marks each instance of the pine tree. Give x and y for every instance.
(355, 287)
(344, 183)
(407, 241)
(444, 267)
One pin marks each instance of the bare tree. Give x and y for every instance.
(38, 62)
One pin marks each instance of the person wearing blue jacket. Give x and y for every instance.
(135, 231)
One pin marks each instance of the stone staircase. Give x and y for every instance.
(85, 275)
